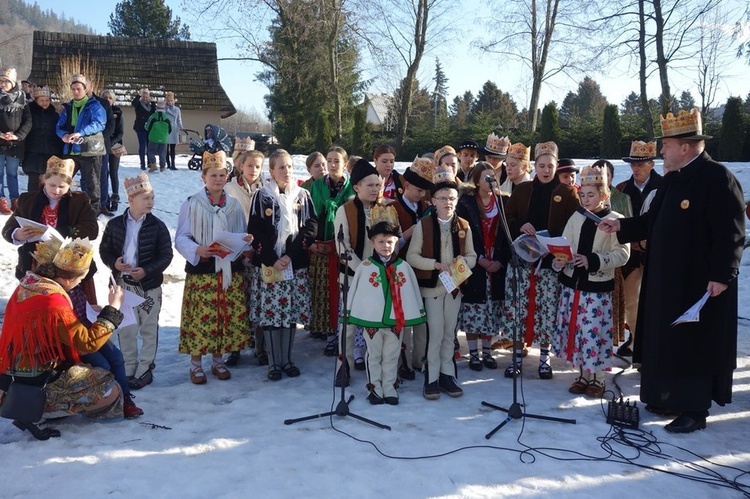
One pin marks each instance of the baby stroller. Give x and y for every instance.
(215, 139)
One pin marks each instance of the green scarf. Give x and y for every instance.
(76, 107)
(326, 206)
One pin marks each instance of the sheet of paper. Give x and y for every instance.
(234, 241)
(459, 270)
(558, 246)
(693, 313)
(447, 281)
(130, 301)
(44, 232)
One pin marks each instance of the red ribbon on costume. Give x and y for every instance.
(333, 283)
(398, 306)
(572, 326)
(528, 337)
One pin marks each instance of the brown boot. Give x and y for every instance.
(4, 208)
(152, 168)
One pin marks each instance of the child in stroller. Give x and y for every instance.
(216, 139)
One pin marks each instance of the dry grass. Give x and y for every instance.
(76, 64)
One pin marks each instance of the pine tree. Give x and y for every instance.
(146, 19)
(550, 128)
(611, 134)
(732, 131)
(439, 95)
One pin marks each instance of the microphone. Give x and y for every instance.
(586, 213)
(490, 179)
(340, 237)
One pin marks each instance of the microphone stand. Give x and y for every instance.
(515, 411)
(342, 408)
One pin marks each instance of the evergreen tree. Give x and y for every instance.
(497, 105)
(732, 131)
(460, 110)
(686, 101)
(146, 19)
(632, 106)
(550, 129)
(439, 101)
(361, 133)
(611, 134)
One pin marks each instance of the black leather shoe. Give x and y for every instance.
(661, 411)
(331, 349)
(489, 362)
(359, 364)
(449, 386)
(686, 423)
(36, 432)
(391, 400)
(291, 370)
(274, 373)
(513, 371)
(137, 383)
(406, 373)
(475, 364)
(375, 399)
(232, 359)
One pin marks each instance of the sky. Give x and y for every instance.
(466, 67)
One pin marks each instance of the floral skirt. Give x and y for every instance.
(285, 303)
(214, 320)
(320, 277)
(587, 343)
(251, 276)
(547, 291)
(79, 388)
(481, 318)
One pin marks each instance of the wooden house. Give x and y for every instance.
(125, 65)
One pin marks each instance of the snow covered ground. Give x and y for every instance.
(228, 439)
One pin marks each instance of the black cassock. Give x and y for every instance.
(695, 233)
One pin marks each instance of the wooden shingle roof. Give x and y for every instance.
(189, 69)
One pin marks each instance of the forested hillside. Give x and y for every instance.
(18, 20)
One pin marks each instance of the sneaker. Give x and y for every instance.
(449, 386)
(137, 383)
(431, 391)
(130, 410)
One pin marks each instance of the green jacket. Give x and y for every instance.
(159, 126)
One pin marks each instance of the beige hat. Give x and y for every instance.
(79, 78)
(9, 74)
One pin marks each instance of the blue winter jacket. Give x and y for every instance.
(92, 119)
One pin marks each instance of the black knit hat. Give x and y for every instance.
(362, 168)
(383, 228)
(566, 165)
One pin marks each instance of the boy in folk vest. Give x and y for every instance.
(352, 221)
(384, 299)
(411, 206)
(437, 241)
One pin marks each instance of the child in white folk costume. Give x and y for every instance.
(584, 317)
(282, 218)
(437, 241)
(248, 164)
(214, 315)
(353, 220)
(384, 299)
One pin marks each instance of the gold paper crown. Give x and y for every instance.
(545, 148)
(443, 174)
(9, 74)
(41, 92)
(79, 78)
(215, 160)
(496, 146)
(244, 144)
(684, 124)
(58, 166)
(443, 151)
(136, 185)
(424, 167)
(45, 251)
(383, 214)
(594, 175)
(642, 150)
(520, 152)
(75, 255)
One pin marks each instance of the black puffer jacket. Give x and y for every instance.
(154, 248)
(43, 139)
(14, 117)
(119, 131)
